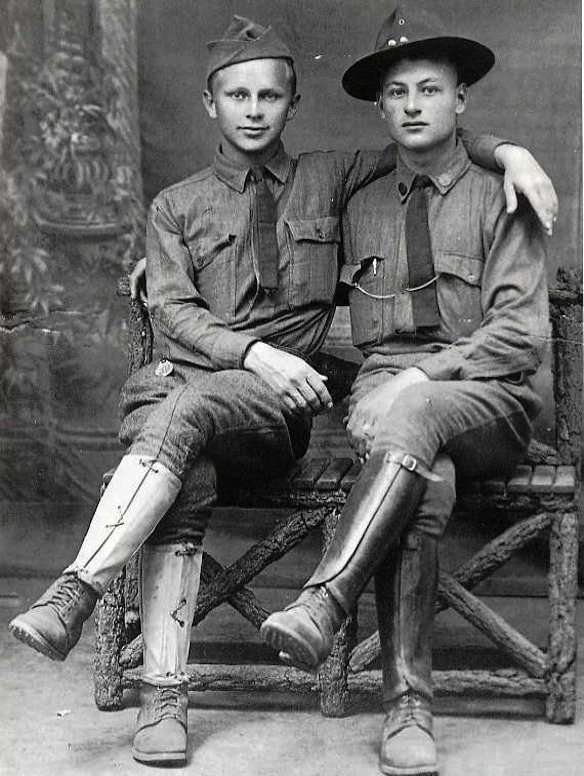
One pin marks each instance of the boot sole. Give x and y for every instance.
(34, 639)
(295, 651)
(159, 757)
(390, 770)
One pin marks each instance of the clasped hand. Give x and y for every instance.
(365, 416)
(300, 388)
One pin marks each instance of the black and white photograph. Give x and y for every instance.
(291, 388)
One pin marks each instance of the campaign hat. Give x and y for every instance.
(414, 34)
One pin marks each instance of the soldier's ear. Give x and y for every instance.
(461, 98)
(379, 103)
(209, 103)
(293, 107)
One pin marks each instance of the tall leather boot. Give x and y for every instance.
(137, 497)
(405, 592)
(378, 509)
(169, 584)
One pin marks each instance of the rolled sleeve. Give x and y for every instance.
(481, 148)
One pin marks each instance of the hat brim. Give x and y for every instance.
(473, 60)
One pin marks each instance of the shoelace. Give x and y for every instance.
(66, 595)
(315, 601)
(167, 701)
(409, 710)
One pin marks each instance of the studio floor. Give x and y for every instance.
(49, 726)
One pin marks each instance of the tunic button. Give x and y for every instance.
(319, 232)
(445, 180)
(471, 277)
(402, 188)
(200, 261)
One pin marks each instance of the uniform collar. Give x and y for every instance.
(235, 176)
(444, 180)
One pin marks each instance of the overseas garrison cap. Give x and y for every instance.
(242, 41)
(414, 34)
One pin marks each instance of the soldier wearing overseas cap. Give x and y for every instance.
(242, 270)
(448, 304)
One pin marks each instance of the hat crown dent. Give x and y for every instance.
(399, 28)
(419, 35)
(244, 40)
(241, 28)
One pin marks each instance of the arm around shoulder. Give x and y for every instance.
(523, 174)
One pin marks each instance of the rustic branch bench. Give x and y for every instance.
(540, 496)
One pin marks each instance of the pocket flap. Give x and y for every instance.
(322, 229)
(206, 249)
(463, 267)
(350, 272)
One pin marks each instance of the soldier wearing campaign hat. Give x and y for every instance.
(448, 305)
(242, 272)
(412, 34)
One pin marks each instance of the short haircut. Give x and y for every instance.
(291, 73)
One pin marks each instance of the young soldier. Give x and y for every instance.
(449, 306)
(242, 272)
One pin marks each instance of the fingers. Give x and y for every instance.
(541, 195)
(138, 282)
(321, 398)
(361, 433)
(310, 397)
(510, 195)
(293, 406)
(300, 387)
(134, 289)
(545, 203)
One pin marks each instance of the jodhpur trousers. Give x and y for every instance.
(482, 427)
(202, 425)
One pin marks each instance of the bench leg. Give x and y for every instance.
(333, 675)
(110, 638)
(563, 585)
(132, 597)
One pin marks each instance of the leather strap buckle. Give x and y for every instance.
(411, 464)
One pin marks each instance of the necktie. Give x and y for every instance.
(419, 252)
(267, 243)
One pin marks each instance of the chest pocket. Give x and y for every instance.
(314, 244)
(459, 291)
(364, 302)
(213, 256)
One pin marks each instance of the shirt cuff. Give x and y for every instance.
(231, 349)
(447, 365)
(483, 151)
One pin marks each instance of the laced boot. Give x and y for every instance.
(169, 584)
(305, 630)
(378, 509)
(161, 731)
(405, 590)
(407, 743)
(52, 626)
(138, 496)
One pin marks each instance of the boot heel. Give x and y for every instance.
(292, 648)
